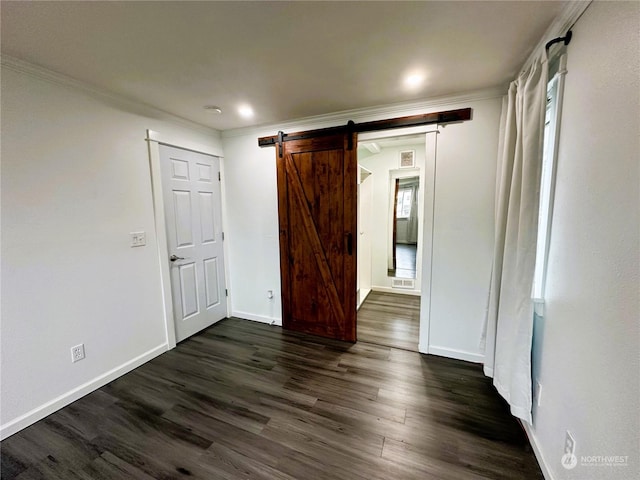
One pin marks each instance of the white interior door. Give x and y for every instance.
(193, 214)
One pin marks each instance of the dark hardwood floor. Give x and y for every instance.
(244, 400)
(390, 319)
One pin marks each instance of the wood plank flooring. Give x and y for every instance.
(390, 319)
(244, 400)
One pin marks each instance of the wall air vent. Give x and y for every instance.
(409, 283)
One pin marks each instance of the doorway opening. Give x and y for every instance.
(295, 154)
(390, 219)
(187, 199)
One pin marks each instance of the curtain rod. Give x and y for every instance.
(566, 39)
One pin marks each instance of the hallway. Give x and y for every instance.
(390, 319)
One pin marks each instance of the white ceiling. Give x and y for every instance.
(285, 59)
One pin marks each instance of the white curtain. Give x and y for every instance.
(509, 322)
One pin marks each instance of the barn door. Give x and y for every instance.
(317, 204)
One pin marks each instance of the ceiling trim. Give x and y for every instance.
(43, 73)
(379, 112)
(567, 18)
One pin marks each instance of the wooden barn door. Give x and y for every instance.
(317, 204)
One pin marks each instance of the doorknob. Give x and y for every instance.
(173, 258)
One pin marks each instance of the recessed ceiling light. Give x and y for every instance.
(213, 108)
(245, 111)
(414, 80)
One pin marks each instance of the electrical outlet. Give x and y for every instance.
(538, 393)
(569, 444)
(138, 239)
(77, 353)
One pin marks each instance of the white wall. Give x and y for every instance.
(75, 182)
(463, 232)
(252, 234)
(586, 348)
(463, 236)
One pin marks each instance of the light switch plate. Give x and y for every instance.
(138, 239)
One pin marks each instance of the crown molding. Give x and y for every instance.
(380, 112)
(567, 18)
(42, 73)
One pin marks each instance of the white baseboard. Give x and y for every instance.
(257, 318)
(452, 353)
(71, 396)
(401, 291)
(546, 471)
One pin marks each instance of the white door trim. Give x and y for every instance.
(428, 206)
(431, 141)
(154, 140)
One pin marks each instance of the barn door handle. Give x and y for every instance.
(349, 243)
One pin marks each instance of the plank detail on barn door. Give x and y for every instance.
(317, 213)
(314, 241)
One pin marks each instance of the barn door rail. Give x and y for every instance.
(449, 116)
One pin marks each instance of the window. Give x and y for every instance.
(403, 205)
(555, 89)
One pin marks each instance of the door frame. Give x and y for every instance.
(154, 140)
(410, 124)
(428, 185)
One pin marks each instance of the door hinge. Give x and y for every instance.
(226, 292)
(222, 236)
(219, 177)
